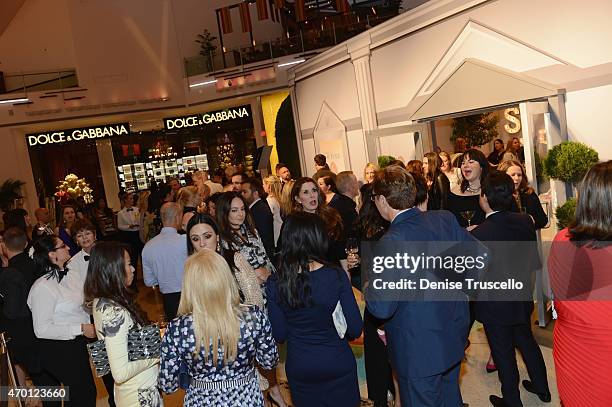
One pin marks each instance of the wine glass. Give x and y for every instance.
(352, 250)
(468, 215)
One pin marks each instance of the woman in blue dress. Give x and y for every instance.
(302, 297)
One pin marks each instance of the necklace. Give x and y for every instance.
(473, 190)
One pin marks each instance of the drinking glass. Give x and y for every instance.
(468, 215)
(352, 252)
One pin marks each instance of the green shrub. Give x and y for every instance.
(384, 160)
(565, 213)
(570, 161)
(477, 129)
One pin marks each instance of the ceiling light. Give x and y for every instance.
(299, 61)
(202, 83)
(20, 100)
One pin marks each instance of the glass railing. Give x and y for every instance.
(40, 81)
(317, 35)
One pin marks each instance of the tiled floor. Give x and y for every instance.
(476, 384)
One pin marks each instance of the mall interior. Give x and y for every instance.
(130, 94)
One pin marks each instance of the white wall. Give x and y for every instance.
(588, 114)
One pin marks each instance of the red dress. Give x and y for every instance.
(581, 279)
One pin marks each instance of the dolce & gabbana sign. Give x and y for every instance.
(207, 118)
(83, 133)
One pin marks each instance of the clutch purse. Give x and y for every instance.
(143, 343)
(339, 320)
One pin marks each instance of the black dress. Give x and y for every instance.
(533, 207)
(438, 193)
(460, 203)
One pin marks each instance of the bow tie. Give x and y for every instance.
(86, 258)
(129, 209)
(59, 274)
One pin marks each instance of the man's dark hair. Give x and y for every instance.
(15, 239)
(242, 175)
(320, 160)
(498, 187)
(16, 218)
(421, 188)
(396, 185)
(255, 186)
(279, 166)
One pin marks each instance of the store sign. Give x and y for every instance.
(207, 118)
(86, 133)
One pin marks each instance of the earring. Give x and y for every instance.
(218, 247)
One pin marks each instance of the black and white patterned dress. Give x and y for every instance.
(255, 344)
(135, 381)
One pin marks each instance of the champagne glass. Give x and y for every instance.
(352, 252)
(468, 215)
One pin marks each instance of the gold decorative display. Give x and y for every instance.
(73, 187)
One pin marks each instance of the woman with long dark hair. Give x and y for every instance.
(498, 151)
(463, 199)
(307, 197)
(579, 267)
(438, 185)
(302, 297)
(115, 312)
(525, 198)
(61, 324)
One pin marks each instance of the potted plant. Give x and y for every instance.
(477, 129)
(570, 161)
(207, 48)
(384, 160)
(565, 213)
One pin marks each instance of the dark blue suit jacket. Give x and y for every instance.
(425, 338)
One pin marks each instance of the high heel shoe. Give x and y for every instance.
(491, 367)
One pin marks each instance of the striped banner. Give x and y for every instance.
(300, 12)
(245, 17)
(262, 10)
(226, 20)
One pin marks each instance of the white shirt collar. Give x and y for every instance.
(400, 212)
(490, 213)
(254, 202)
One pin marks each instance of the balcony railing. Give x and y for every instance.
(40, 81)
(316, 35)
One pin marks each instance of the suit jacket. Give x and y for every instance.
(264, 223)
(346, 207)
(506, 226)
(425, 338)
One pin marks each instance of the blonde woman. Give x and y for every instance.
(146, 218)
(286, 201)
(272, 186)
(369, 172)
(200, 181)
(210, 313)
(190, 200)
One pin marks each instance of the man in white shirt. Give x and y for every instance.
(214, 187)
(163, 259)
(128, 222)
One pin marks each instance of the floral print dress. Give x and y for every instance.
(135, 381)
(255, 344)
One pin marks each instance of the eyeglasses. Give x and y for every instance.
(63, 246)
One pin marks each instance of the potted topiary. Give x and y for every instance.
(384, 160)
(570, 161)
(565, 213)
(476, 130)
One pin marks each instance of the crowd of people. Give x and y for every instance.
(244, 264)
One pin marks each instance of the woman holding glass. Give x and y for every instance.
(115, 312)
(218, 339)
(463, 199)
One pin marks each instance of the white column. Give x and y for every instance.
(359, 49)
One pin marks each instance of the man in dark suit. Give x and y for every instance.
(507, 324)
(426, 339)
(343, 202)
(253, 193)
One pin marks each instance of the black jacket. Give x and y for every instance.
(346, 207)
(438, 193)
(507, 226)
(264, 223)
(532, 204)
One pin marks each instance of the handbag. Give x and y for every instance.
(339, 320)
(143, 343)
